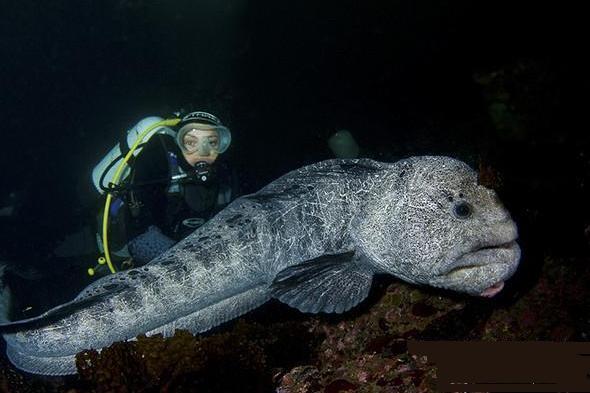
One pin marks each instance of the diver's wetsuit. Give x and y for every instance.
(166, 204)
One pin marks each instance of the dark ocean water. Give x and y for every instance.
(400, 75)
(499, 84)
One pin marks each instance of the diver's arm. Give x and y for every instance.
(151, 164)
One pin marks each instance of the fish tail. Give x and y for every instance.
(54, 365)
(196, 322)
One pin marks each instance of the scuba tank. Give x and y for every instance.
(104, 172)
(115, 167)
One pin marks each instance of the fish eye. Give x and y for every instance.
(462, 210)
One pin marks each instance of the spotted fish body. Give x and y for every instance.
(313, 239)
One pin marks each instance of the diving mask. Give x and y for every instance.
(203, 141)
(218, 137)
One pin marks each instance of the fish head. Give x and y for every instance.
(432, 223)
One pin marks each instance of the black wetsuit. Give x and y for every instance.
(166, 204)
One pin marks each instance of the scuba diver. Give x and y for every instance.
(172, 184)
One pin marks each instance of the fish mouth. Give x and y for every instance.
(486, 255)
(490, 264)
(497, 247)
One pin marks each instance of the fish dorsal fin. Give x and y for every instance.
(59, 312)
(331, 283)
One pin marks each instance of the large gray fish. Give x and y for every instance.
(313, 239)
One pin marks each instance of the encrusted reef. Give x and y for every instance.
(245, 357)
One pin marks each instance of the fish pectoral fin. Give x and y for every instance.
(330, 283)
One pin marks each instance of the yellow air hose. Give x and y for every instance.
(115, 181)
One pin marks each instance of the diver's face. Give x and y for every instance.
(201, 144)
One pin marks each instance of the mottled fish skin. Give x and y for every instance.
(423, 219)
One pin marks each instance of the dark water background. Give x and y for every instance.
(404, 76)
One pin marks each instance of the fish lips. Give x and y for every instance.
(482, 270)
(505, 253)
